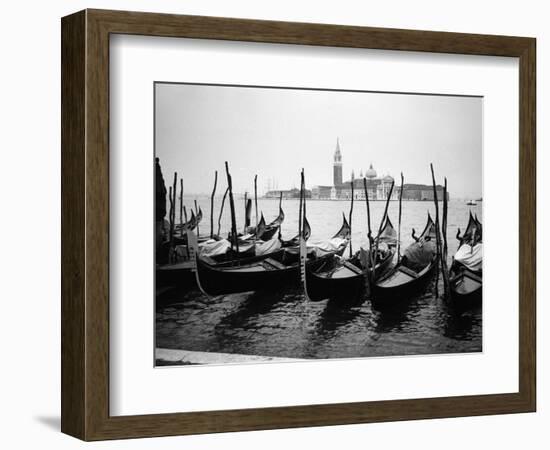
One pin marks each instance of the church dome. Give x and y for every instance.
(371, 173)
(388, 178)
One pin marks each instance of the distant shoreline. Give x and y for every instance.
(361, 199)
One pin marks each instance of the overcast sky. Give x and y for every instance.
(276, 132)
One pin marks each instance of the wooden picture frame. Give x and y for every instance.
(85, 224)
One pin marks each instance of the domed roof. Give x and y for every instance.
(388, 178)
(371, 173)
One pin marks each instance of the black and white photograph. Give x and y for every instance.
(260, 225)
(296, 224)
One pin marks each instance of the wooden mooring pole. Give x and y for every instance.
(196, 215)
(384, 216)
(350, 216)
(399, 221)
(173, 208)
(212, 204)
(441, 259)
(181, 208)
(221, 210)
(234, 237)
(368, 278)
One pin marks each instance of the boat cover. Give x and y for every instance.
(211, 247)
(321, 248)
(420, 254)
(471, 257)
(262, 248)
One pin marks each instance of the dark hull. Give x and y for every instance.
(220, 282)
(181, 275)
(178, 275)
(387, 294)
(466, 289)
(344, 290)
(261, 273)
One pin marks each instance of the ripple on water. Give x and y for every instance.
(282, 324)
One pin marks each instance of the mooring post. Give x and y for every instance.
(212, 204)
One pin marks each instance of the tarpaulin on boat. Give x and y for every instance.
(262, 248)
(321, 248)
(214, 248)
(471, 257)
(419, 254)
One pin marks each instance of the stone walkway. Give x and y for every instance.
(170, 357)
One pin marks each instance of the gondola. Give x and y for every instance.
(344, 280)
(245, 248)
(343, 234)
(263, 232)
(466, 281)
(191, 224)
(266, 232)
(473, 233)
(411, 274)
(247, 244)
(181, 273)
(260, 272)
(345, 230)
(180, 230)
(296, 239)
(179, 238)
(479, 229)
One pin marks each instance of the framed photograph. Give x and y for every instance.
(273, 225)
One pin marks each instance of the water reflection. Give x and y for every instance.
(283, 324)
(256, 303)
(334, 317)
(462, 325)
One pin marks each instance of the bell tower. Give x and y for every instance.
(337, 165)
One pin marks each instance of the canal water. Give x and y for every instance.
(281, 323)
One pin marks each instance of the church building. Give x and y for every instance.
(378, 187)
